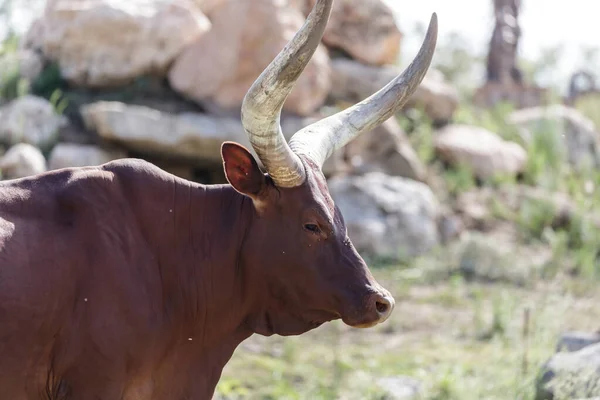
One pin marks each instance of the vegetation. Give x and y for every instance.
(463, 335)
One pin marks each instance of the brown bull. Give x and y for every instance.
(125, 282)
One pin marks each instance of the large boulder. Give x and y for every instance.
(219, 67)
(386, 149)
(30, 119)
(387, 217)
(65, 155)
(353, 81)
(486, 154)
(192, 136)
(571, 375)
(22, 160)
(208, 6)
(571, 129)
(365, 29)
(101, 43)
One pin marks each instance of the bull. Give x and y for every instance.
(122, 281)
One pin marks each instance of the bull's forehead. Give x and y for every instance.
(320, 192)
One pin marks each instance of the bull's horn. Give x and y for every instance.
(319, 140)
(261, 108)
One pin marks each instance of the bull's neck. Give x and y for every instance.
(199, 261)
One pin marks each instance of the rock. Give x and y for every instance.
(473, 208)
(575, 341)
(193, 136)
(102, 43)
(385, 149)
(438, 98)
(387, 216)
(22, 160)
(353, 81)
(553, 209)
(484, 152)
(65, 155)
(569, 127)
(180, 171)
(571, 375)
(365, 29)
(23, 63)
(490, 258)
(30, 119)
(400, 388)
(31, 64)
(450, 226)
(209, 6)
(221, 66)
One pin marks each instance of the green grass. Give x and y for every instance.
(462, 340)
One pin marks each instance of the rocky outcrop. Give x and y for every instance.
(103, 43)
(246, 35)
(575, 133)
(65, 155)
(353, 81)
(22, 160)
(571, 375)
(387, 217)
(30, 119)
(483, 152)
(386, 149)
(365, 29)
(195, 137)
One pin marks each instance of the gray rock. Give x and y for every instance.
(30, 119)
(385, 149)
(353, 81)
(571, 375)
(387, 217)
(574, 341)
(22, 160)
(485, 258)
(400, 388)
(192, 136)
(23, 63)
(571, 130)
(485, 153)
(365, 29)
(66, 155)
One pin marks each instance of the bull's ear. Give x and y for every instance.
(241, 170)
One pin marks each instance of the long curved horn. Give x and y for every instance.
(319, 140)
(261, 108)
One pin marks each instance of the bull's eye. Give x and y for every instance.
(314, 228)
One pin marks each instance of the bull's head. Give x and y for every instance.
(297, 244)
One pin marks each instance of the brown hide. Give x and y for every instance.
(125, 282)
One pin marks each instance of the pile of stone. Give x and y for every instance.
(194, 60)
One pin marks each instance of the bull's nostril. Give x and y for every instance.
(382, 306)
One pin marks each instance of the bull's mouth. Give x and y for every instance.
(361, 325)
(365, 321)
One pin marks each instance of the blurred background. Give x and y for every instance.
(477, 205)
